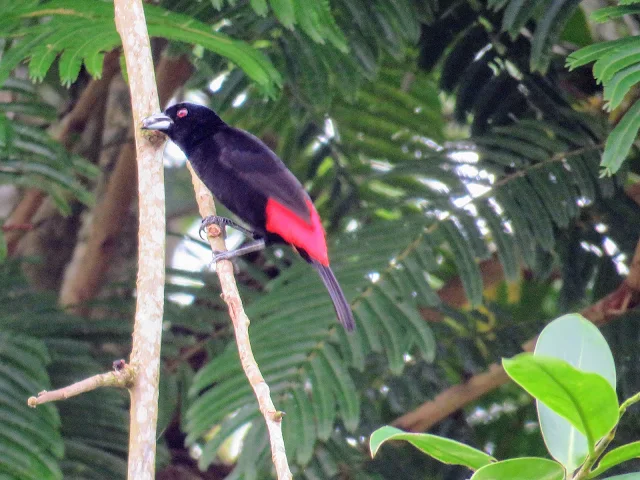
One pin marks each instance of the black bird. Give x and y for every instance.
(252, 182)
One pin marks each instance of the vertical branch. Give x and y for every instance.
(86, 273)
(145, 357)
(230, 294)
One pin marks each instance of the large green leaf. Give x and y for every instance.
(585, 399)
(442, 449)
(521, 468)
(565, 443)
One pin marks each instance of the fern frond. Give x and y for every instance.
(83, 31)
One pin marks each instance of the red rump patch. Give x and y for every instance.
(296, 231)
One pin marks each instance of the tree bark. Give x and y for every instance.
(93, 257)
(147, 332)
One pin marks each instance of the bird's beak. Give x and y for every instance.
(158, 122)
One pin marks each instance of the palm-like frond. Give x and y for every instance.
(47, 348)
(29, 157)
(82, 32)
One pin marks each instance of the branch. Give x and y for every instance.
(147, 330)
(230, 294)
(626, 296)
(121, 377)
(452, 293)
(86, 273)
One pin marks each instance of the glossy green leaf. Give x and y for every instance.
(441, 448)
(616, 457)
(565, 443)
(522, 469)
(585, 399)
(626, 476)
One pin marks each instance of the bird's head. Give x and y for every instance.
(184, 123)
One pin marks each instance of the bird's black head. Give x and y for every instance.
(185, 123)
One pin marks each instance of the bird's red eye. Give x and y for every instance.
(182, 113)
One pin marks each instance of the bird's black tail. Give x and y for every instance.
(343, 310)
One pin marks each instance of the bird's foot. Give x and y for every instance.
(223, 222)
(212, 220)
(220, 255)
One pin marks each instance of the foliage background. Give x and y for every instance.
(453, 156)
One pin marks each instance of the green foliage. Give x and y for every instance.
(30, 442)
(566, 443)
(442, 449)
(617, 67)
(617, 456)
(45, 348)
(301, 352)
(81, 32)
(370, 136)
(587, 400)
(31, 158)
(522, 468)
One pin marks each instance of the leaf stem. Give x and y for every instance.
(585, 471)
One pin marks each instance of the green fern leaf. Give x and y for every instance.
(548, 31)
(621, 139)
(83, 31)
(31, 441)
(285, 12)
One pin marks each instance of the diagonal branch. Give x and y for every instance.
(122, 377)
(230, 294)
(616, 303)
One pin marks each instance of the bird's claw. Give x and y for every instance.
(219, 255)
(210, 220)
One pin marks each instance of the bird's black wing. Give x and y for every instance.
(262, 170)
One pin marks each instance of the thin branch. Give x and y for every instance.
(230, 294)
(121, 377)
(86, 273)
(147, 330)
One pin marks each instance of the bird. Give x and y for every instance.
(248, 178)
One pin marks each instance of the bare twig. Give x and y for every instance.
(147, 331)
(230, 294)
(122, 378)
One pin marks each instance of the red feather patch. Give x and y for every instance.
(296, 231)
